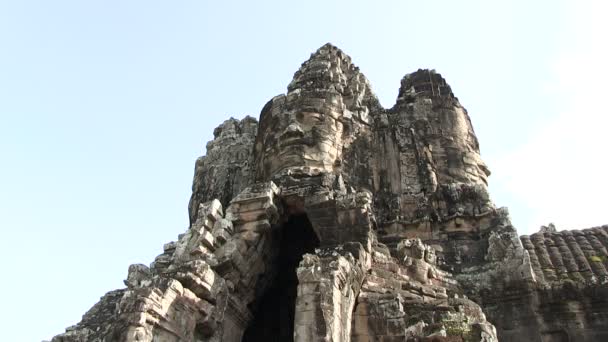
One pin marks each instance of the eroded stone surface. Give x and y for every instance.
(335, 219)
(226, 169)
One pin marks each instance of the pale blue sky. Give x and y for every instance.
(105, 105)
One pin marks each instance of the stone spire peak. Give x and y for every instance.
(330, 69)
(424, 82)
(329, 48)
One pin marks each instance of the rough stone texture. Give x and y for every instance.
(569, 256)
(345, 221)
(407, 297)
(326, 108)
(226, 169)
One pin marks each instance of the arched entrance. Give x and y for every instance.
(274, 311)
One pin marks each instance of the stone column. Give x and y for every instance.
(330, 280)
(247, 253)
(329, 283)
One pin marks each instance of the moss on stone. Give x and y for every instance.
(462, 329)
(597, 258)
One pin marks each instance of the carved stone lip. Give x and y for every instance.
(295, 139)
(292, 142)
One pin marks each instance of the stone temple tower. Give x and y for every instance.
(334, 219)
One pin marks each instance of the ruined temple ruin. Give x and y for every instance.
(334, 219)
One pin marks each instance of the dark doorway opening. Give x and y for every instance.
(274, 312)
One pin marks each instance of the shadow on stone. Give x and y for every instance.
(274, 311)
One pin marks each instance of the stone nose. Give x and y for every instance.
(293, 130)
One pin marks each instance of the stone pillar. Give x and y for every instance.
(330, 280)
(248, 253)
(329, 283)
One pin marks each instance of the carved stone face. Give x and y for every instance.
(411, 248)
(430, 256)
(301, 132)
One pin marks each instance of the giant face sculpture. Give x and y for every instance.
(300, 132)
(306, 130)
